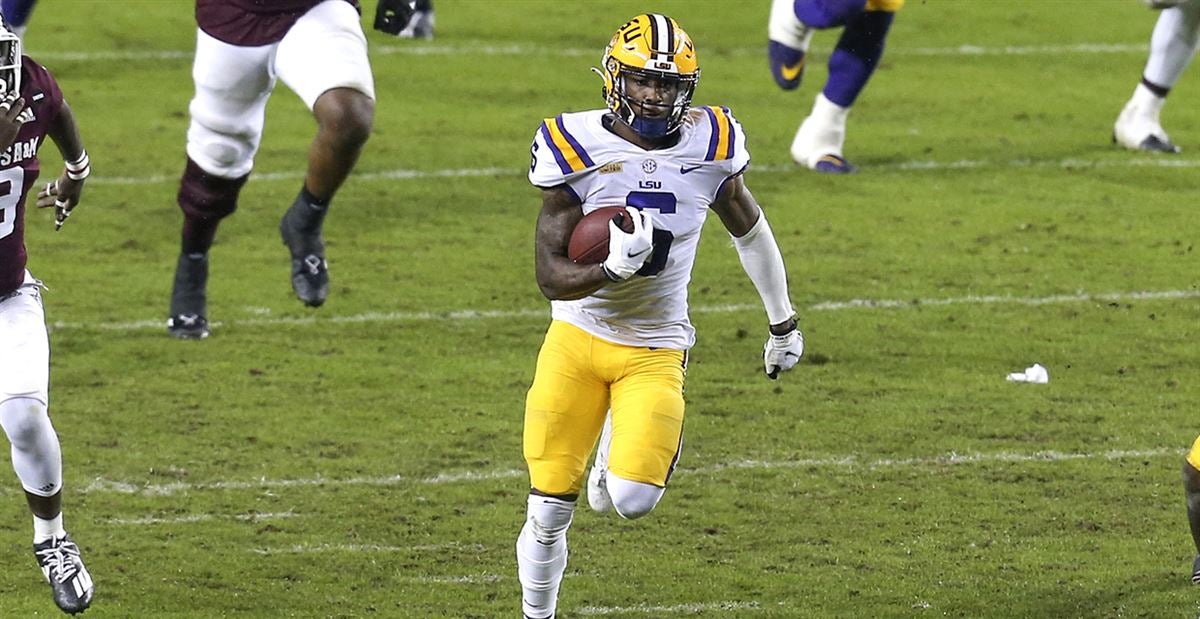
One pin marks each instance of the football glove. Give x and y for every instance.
(782, 352)
(391, 16)
(628, 251)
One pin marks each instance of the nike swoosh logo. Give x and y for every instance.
(792, 72)
(685, 169)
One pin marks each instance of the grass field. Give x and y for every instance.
(364, 460)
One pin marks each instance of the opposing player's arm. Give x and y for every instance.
(64, 193)
(559, 277)
(760, 256)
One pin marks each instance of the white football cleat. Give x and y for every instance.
(818, 142)
(597, 484)
(1138, 128)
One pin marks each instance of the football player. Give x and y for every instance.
(16, 14)
(31, 109)
(1172, 46)
(317, 47)
(1191, 488)
(620, 331)
(865, 24)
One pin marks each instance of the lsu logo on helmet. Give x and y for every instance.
(650, 46)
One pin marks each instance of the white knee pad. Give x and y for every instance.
(232, 87)
(221, 144)
(36, 456)
(633, 499)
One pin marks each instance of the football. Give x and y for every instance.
(589, 240)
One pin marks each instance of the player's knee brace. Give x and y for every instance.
(36, 456)
(633, 499)
(207, 196)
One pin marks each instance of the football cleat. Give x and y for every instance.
(818, 143)
(788, 44)
(597, 485)
(1196, 571)
(188, 298)
(63, 568)
(420, 26)
(310, 272)
(1138, 129)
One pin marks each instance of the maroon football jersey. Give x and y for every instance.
(250, 23)
(19, 168)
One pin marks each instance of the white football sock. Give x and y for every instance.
(784, 27)
(542, 554)
(633, 499)
(36, 455)
(822, 133)
(1173, 43)
(45, 529)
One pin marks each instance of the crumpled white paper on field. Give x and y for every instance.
(1035, 373)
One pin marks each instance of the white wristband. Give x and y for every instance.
(80, 168)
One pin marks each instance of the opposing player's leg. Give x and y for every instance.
(323, 59)
(647, 429)
(1172, 46)
(35, 450)
(227, 114)
(819, 141)
(1191, 489)
(564, 411)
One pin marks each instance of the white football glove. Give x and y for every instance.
(628, 251)
(782, 352)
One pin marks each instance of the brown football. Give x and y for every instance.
(589, 240)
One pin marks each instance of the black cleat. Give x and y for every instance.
(310, 272)
(188, 298)
(63, 568)
(1196, 571)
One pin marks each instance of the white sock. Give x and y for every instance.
(829, 111)
(45, 529)
(542, 554)
(1173, 44)
(1146, 102)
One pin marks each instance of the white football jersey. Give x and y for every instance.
(677, 184)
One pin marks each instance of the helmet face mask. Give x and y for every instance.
(650, 74)
(10, 61)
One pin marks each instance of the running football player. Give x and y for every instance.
(1172, 46)
(31, 109)
(620, 330)
(317, 48)
(865, 25)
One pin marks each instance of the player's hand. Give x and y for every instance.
(63, 194)
(628, 251)
(11, 107)
(391, 16)
(783, 350)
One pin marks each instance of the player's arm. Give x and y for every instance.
(760, 256)
(64, 193)
(559, 277)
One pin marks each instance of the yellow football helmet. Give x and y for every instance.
(654, 49)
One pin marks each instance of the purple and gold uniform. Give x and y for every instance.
(19, 169)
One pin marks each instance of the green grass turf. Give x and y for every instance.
(364, 459)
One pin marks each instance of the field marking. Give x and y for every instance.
(101, 485)
(354, 548)
(193, 518)
(1132, 161)
(521, 49)
(470, 315)
(676, 609)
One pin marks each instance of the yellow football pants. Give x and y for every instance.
(579, 377)
(1193, 456)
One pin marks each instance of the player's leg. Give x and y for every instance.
(323, 59)
(597, 483)
(1172, 46)
(227, 114)
(420, 25)
(563, 414)
(35, 450)
(1191, 488)
(790, 29)
(647, 429)
(16, 14)
(819, 141)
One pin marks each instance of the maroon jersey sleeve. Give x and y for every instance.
(250, 23)
(19, 168)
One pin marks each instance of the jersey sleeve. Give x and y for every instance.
(557, 156)
(727, 140)
(41, 91)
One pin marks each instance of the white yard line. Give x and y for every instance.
(480, 48)
(101, 485)
(192, 518)
(356, 548)
(676, 609)
(471, 315)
